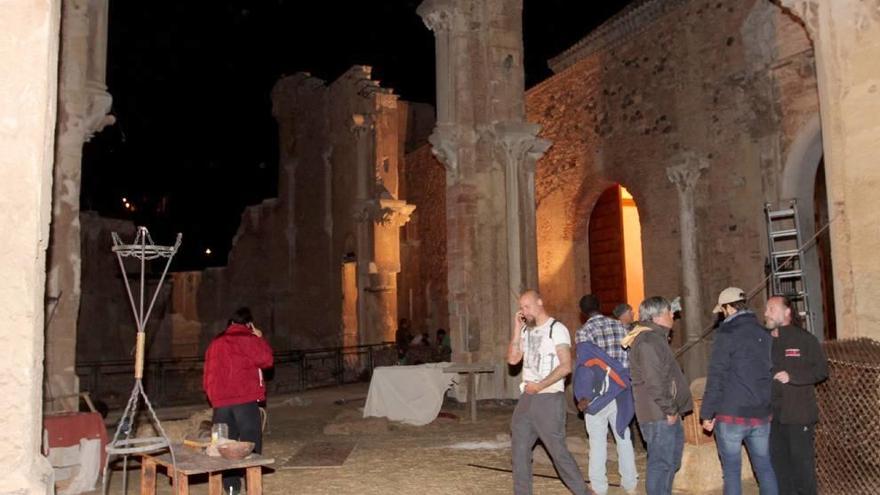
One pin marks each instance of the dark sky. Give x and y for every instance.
(195, 141)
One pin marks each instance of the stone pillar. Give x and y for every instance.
(489, 151)
(846, 39)
(82, 111)
(379, 216)
(685, 175)
(28, 91)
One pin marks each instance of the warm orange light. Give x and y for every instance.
(632, 249)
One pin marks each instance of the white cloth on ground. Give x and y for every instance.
(411, 394)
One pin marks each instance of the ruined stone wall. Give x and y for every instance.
(729, 82)
(106, 324)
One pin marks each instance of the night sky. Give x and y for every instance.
(195, 141)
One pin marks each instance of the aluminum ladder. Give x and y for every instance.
(786, 259)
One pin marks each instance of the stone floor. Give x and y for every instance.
(392, 458)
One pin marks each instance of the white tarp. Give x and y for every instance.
(411, 394)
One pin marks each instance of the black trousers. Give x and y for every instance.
(245, 424)
(794, 458)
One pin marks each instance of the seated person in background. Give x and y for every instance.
(444, 346)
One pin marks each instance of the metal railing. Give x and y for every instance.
(178, 381)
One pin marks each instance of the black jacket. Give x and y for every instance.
(659, 386)
(798, 352)
(739, 377)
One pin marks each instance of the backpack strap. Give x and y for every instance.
(555, 321)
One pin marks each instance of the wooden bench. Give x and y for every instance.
(190, 461)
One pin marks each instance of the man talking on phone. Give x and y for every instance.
(543, 344)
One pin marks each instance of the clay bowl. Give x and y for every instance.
(235, 451)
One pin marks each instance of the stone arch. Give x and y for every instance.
(799, 183)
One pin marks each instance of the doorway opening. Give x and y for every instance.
(615, 237)
(350, 335)
(823, 248)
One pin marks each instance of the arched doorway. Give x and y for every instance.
(615, 247)
(804, 181)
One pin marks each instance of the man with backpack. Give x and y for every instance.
(543, 345)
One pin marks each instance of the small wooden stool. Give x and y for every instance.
(190, 462)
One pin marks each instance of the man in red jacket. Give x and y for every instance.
(233, 381)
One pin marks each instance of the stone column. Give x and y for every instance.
(519, 148)
(846, 39)
(82, 111)
(489, 152)
(28, 91)
(685, 175)
(361, 128)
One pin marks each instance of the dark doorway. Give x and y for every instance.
(823, 247)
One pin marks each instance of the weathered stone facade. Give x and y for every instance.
(692, 106)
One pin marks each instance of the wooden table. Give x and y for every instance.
(191, 461)
(471, 370)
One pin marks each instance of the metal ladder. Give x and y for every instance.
(786, 259)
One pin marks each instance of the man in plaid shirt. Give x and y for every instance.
(606, 333)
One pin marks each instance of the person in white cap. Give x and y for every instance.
(736, 404)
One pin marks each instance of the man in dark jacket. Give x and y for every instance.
(661, 393)
(233, 381)
(736, 404)
(798, 365)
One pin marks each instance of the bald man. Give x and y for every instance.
(543, 345)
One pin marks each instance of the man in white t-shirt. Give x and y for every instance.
(543, 344)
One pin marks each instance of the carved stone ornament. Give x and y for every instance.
(437, 14)
(445, 142)
(386, 212)
(517, 144)
(687, 171)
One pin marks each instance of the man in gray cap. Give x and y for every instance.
(736, 404)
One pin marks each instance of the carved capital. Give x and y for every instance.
(360, 124)
(445, 143)
(807, 11)
(385, 212)
(517, 144)
(687, 171)
(438, 15)
(98, 115)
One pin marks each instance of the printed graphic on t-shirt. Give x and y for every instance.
(540, 364)
(792, 353)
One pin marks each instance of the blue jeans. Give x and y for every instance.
(665, 446)
(729, 439)
(597, 430)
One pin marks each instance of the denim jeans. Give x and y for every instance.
(597, 430)
(665, 446)
(729, 439)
